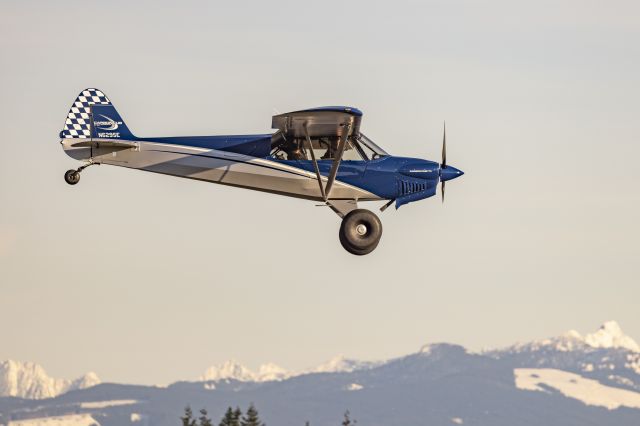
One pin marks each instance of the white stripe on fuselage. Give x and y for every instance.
(227, 168)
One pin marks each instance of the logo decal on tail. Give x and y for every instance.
(109, 124)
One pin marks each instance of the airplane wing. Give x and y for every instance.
(324, 121)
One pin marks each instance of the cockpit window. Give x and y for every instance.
(324, 148)
(358, 148)
(370, 148)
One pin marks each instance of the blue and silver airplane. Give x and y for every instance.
(317, 154)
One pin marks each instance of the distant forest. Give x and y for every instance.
(235, 417)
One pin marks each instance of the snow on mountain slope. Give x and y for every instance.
(30, 380)
(270, 371)
(70, 420)
(591, 392)
(233, 370)
(340, 364)
(104, 404)
(608, 336)
(607, 355)
(88, 380)
(229, 370)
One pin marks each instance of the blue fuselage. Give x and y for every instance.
(402, 179)
(394, 178)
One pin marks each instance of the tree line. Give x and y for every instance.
(235, 417)
(230, 418)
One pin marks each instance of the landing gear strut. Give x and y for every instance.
(73, 176)
(360, 232)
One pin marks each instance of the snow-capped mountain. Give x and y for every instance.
(607, 355)
(340, 364)
(568, 380)
(233, 370)
(608, 336)
(29, 380)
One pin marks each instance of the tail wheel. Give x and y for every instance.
(360, 232)
(72, 177)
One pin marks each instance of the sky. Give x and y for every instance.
(145, 278)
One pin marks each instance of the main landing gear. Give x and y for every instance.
(360, 232)
(73, 176)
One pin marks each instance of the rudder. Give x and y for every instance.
(93, 116)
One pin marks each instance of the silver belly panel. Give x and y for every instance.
(225, 168)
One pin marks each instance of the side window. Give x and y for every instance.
(325, 148)
(283, 149)
(351, 152)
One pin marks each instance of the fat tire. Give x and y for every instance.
(351, 240)
(72, 177)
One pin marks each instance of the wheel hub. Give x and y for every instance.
(361, 229)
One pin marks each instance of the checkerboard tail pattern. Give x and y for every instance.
(78, 122)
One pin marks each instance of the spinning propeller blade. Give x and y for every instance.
(444, 157)
(446, 172)
(444, 146)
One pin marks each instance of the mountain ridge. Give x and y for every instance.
(608, 336)
(568, 380)
(29, 380)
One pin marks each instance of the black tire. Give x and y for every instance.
(358, 240)
(72, 177)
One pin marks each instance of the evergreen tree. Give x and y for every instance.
(204, 420)
(347, 419)
(229, 418)
(251, 418)
(237, 415)
(187, 419)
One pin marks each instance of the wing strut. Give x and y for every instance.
(315, 163)
(341, 207)
(336, 162)
(326, 191)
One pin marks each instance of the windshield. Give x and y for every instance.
(377, 152)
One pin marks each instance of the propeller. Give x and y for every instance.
(444, 145)
(443, 165)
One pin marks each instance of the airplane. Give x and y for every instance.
(317, 154)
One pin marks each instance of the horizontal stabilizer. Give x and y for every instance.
(105, 144)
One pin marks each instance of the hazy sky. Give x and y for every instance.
(148, 278)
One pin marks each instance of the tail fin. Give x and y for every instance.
(93, 116)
